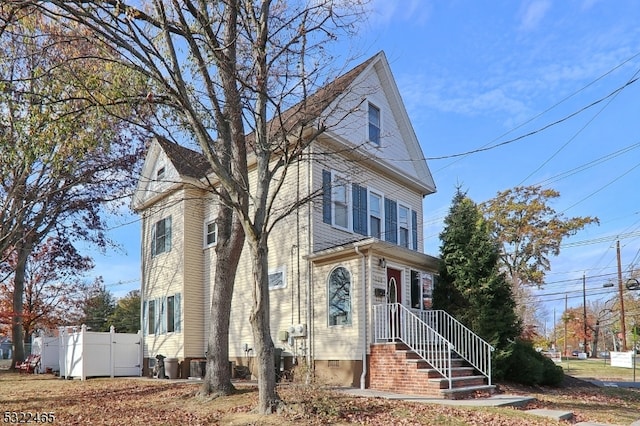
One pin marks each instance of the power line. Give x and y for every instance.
(541, 129)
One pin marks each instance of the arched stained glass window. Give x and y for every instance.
(339, 296)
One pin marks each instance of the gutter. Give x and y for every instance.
(363, 320)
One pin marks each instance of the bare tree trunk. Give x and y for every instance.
(217, 380)
(230, 231)
(596, 335)
(269, 401)
(17, 330)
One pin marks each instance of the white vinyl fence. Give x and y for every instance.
(99, 354)
(48, 349)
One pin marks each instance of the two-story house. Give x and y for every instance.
(357, 245)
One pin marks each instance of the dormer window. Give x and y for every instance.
(374, 124)
(160, 173)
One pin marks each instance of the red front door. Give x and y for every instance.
(394, 295)
(394, 277)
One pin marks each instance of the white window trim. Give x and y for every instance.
(283, 270)
(334, 176)
(373, 191)
(152, 321)
(375, 105)
(401, 206)
(206, 234)
(155, 237)
(327, 292)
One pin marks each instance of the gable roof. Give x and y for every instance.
(410, 166)
(193, 164)
(311, 108)
(186, 161)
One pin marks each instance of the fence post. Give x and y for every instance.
(83, 352)
(141, 352)
(62, 351)
(112, 350)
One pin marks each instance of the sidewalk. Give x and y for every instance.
(614, 384)
(500, 400)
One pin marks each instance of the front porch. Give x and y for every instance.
(427, 353)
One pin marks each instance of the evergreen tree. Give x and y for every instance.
(446, 292)
(470, 286)
(126, 315)
(472, 289)
(98, 307)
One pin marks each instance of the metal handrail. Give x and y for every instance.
(395, 322)
(468, 345)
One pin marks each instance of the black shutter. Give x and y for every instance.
(359, 209)
(390, 221)
(414, 229)
(326, 196)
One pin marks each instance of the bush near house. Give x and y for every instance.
(521, 363)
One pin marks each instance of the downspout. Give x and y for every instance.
(142, 288)
(363, 319)
(309, 313)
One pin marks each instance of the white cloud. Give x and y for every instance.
(385, 11)
(468, 98)
(534, 13)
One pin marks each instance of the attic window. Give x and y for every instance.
(374, 124)
(160, 174)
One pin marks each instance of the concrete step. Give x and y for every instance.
(465, 392)
(457, 382)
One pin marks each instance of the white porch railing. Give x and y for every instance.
(467, 344)
(394, 322)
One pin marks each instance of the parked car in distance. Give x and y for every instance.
(575, 353)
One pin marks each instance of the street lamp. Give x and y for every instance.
(633, 284)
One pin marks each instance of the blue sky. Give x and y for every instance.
(477, 74)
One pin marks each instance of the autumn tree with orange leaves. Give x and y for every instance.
(53, 290)
(67, 152)
(529, 231)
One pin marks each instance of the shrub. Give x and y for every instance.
(521, 363)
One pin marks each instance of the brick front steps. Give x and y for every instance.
(395, 368)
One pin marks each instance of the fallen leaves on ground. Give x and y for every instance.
(137, 401)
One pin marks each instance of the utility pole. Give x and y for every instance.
(566, 354)
(555, 330)
(623, 328)
(584, 313)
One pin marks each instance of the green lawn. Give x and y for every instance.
(599, 369)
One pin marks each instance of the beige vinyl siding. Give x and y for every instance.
(193, 259)
(338, 342)
(394, 169)
(287, 241)
(325, 235)
(373, 88)
(164, 273)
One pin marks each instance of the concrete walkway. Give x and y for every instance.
(492, 401)
(614, 384)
